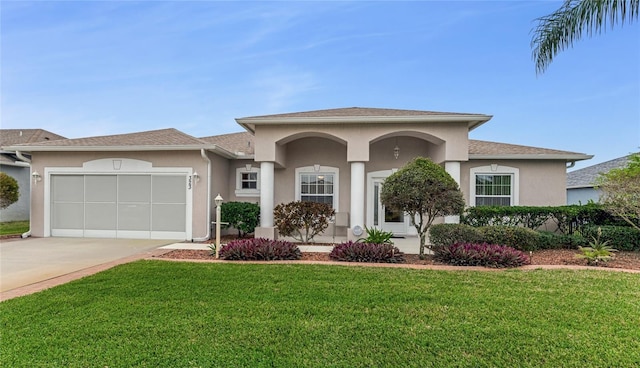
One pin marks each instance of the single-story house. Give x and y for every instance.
(581, 183)
(161, 184)
(18, 167)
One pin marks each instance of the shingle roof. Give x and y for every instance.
(355, 112)
(233, 142)
(477, 147)
(21, 136)
(162, 137)
(585, 177)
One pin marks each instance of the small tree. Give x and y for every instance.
(243, 216)
(9, 190)
(302, 220)
(424, 191)
(621, 191)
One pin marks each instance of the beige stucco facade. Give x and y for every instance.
(358, 148)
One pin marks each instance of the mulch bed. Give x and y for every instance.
(625, 260)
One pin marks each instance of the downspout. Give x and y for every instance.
(28, 161)
(204, 156)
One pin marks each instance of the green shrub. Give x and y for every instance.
(9, 190)
(519, 238)
(624, 238)
(549, 240)
(302, 220)
(447, 234)
(487, 255)
(366, 252)
(243, 216)
(527, 216)
(259, 249)
(377, 236)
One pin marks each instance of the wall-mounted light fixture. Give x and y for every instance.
(36, 177)
(396, 150)
(195, 177)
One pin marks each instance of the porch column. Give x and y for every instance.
(453, 168)
(266, 229)
(357, 199)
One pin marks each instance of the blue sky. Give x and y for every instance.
(86, 68)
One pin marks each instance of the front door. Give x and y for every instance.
(384, 218)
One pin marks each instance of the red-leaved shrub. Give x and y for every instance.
(366, 252)
(484, 254)
(259, 249)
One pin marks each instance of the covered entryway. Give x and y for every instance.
(136, 205)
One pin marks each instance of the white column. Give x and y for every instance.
(357, 197)
(266, 194)
(453, 168)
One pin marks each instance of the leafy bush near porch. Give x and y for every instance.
(302, 220)
(519, 238)
(486, 255)
(260, 249)
(442, 235)
(242, 216)
(366, 252)
(377, 236)
(625, 238)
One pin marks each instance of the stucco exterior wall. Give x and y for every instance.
(359, 136)
(186, 159)
(18, 211)
(542, 182)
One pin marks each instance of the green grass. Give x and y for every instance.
(166, 314)
(14, 227)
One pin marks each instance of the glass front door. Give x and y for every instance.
(384, 218)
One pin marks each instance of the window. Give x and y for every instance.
(494, 185)
(317, 184)
(493, 190)
(247, 182)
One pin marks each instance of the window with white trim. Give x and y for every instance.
(494, 185)
(248, 182)
(317, 184)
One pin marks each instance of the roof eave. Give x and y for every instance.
(473, 120)
(513, 156)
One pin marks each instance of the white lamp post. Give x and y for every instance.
(218, 201)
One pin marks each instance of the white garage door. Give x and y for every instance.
(119, 206)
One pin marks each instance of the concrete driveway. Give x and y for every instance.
(27, 261)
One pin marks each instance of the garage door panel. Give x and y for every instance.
(101, 216)
(134, 217)
(134, 188)
(168, 189)
(68, 216)
(101, 188)
(168, 217)
(67, 188)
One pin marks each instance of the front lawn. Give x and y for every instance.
(166, 314)
(14, 227)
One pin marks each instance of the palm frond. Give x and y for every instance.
(558, 31)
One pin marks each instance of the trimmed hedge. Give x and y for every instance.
(441, 235)
(619, 237)
(260, 249)
(517, 237)
(487, 255)
(569, 219)
(366, 252)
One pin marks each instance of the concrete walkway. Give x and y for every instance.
(27, 261)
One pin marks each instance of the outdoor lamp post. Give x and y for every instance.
(218, 201)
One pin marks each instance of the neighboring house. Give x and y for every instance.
(580, 183)
(18, 167)
(161, 184)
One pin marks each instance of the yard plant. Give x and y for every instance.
(174, 314)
